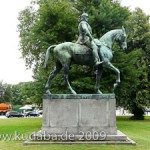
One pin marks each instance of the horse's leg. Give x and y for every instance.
(109, 65)
(98, 77)
(51, 76)
(66, 71)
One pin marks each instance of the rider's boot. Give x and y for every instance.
(97, 61)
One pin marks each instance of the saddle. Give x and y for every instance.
(82, 50)
(85, 50)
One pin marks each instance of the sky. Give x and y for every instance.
(132, 4)
(12, 67)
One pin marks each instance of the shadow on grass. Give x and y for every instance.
(129, 118)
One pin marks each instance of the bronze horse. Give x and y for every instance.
(69, 53)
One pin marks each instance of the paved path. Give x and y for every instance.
(3, 117)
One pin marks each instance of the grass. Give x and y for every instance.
(139, 131)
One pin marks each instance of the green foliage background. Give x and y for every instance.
(49, 22)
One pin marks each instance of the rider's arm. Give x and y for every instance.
(86, 31)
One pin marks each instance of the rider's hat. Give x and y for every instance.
(84, 15)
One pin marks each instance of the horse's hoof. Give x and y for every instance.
(73, 92)
(115, 85)
(99, 92)
(48, 92)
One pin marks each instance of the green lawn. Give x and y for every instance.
(139, 131)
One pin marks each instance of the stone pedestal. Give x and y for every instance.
(75, 114)
(81, 117)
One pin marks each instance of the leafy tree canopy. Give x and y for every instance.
(48, 22)
(134, 92)
(5, 93)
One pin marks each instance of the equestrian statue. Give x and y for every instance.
(86, 51)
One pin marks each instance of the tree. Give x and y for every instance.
(5, 93)
(53, 18)
(135, 94)
(55, 21)
(27, 93)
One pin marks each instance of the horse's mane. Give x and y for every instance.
(108, 36)
(110, 33)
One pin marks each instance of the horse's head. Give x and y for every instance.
(121, 39)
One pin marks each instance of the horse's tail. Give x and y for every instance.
(47, 56)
